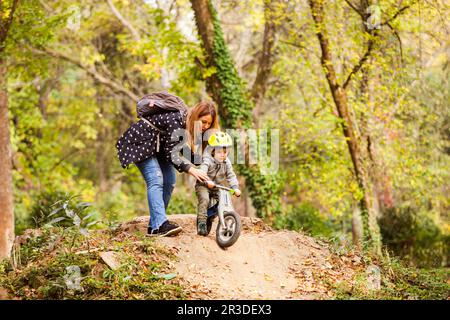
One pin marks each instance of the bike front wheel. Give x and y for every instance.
(226, 237)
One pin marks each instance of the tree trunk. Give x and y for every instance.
(235, 109)
(205, 27)
(378, 169)
(266, 60)
(369, 215)
(6, 181)
(263, 72)
(357, 230)
(383, 194)
(101, 151)
(6, 186)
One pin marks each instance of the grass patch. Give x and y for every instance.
(59, 263)
(398, 282)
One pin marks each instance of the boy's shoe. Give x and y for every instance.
(166, 229)
(202, 229)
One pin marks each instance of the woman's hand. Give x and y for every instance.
(198, 174)
(237, 192)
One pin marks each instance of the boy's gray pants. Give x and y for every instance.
(203, 196)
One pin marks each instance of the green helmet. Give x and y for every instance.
(220, 139)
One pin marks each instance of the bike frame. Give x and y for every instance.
(225, 203)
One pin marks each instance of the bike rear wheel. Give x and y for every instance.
(227, 237)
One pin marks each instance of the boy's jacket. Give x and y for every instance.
(219, 172)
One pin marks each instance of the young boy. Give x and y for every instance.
(219, 169)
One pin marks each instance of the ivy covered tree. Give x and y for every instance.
(234, 102)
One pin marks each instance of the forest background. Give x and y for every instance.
(358, 89)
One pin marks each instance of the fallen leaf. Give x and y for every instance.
(166, 276)
(111, 259)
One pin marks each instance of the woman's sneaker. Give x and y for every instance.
(166, 229)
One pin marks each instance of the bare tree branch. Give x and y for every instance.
(255, 58)
(46, 6)
(361, 62)
(5, 24)
(11, 13)
(266, 58)
(127, 24)
(357, 10)
(371, 42)
(399, 12)
(112, 84)
(399, 41)
(294, 44)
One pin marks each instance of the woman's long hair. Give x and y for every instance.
(201, 109)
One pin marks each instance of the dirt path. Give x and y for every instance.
(263, 264)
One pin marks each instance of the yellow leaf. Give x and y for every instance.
(267, 277)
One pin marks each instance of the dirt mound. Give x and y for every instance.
(263, 264)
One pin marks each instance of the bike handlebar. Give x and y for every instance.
(223, 187)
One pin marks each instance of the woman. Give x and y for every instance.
(157, 156)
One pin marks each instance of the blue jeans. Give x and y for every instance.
(159, 175)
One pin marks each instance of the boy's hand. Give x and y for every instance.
(237, 192)
(210, 184)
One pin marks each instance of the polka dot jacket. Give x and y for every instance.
(140, 141)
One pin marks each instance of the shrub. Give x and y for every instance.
(304, 217)
(183, 200)
(61, 209)
(414, 236)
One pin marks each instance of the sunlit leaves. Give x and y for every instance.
(57, 135)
